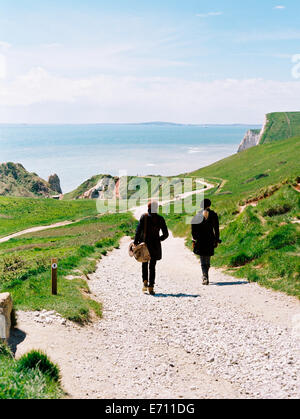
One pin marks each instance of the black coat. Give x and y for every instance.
(155, 224)
(206, 233)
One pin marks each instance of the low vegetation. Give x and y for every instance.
(17, 214)
(33, 376)
(25, 269)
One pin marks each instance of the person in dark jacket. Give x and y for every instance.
(154, 224)
(206, 236)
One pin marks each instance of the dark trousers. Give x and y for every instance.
(149, 272)
(205, 265)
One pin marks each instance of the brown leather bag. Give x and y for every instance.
(141, 252)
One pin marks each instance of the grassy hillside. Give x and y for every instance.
(25, 262)
(21, 213)
(262, 242)
(15, 180)
(280, 126)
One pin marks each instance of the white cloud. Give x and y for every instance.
(279, 7)
(132, 99)
(204, 15)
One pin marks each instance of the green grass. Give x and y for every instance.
(18, 214)
(25, 269)
(33, 376)
(262, 243)
(280, 126)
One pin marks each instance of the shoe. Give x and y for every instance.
(145, 287)
(151, 290)
(205, 280)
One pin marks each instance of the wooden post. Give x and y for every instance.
(54, 276)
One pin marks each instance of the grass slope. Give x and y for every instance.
(280, 126)
(262, 243)
(25, 264)
(18, 214)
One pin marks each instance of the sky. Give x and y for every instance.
(191, 61)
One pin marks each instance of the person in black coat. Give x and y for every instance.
(206, 236)
(155, 224)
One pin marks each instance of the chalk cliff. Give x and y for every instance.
(251, 139)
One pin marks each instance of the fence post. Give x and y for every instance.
(54, 275)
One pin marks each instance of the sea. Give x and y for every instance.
(77, 152)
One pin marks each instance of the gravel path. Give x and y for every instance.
(229, 340)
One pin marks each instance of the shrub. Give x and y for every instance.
(12, 263)
(39, 360)
(278, 210)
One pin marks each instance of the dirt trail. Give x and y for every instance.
(35, 229)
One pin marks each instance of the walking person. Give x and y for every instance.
(206, 236)
(153, 225)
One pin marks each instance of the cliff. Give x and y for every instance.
(277, 126)
(251, 139)
(15, 180)
(54, 183)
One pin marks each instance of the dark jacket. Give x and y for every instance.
(155, 224)
(206, 233)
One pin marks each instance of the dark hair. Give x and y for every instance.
(206, 203)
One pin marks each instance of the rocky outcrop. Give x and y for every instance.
(6, 306)
(251, 139)
(54, 183)
(15, 180)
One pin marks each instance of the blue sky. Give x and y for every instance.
(127, 61)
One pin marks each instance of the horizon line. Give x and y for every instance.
(202, 124)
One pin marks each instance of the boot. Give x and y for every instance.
(151, 290)
(205, 280)
(145, 287)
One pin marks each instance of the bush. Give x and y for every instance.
(278, 210)
(39, 360)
